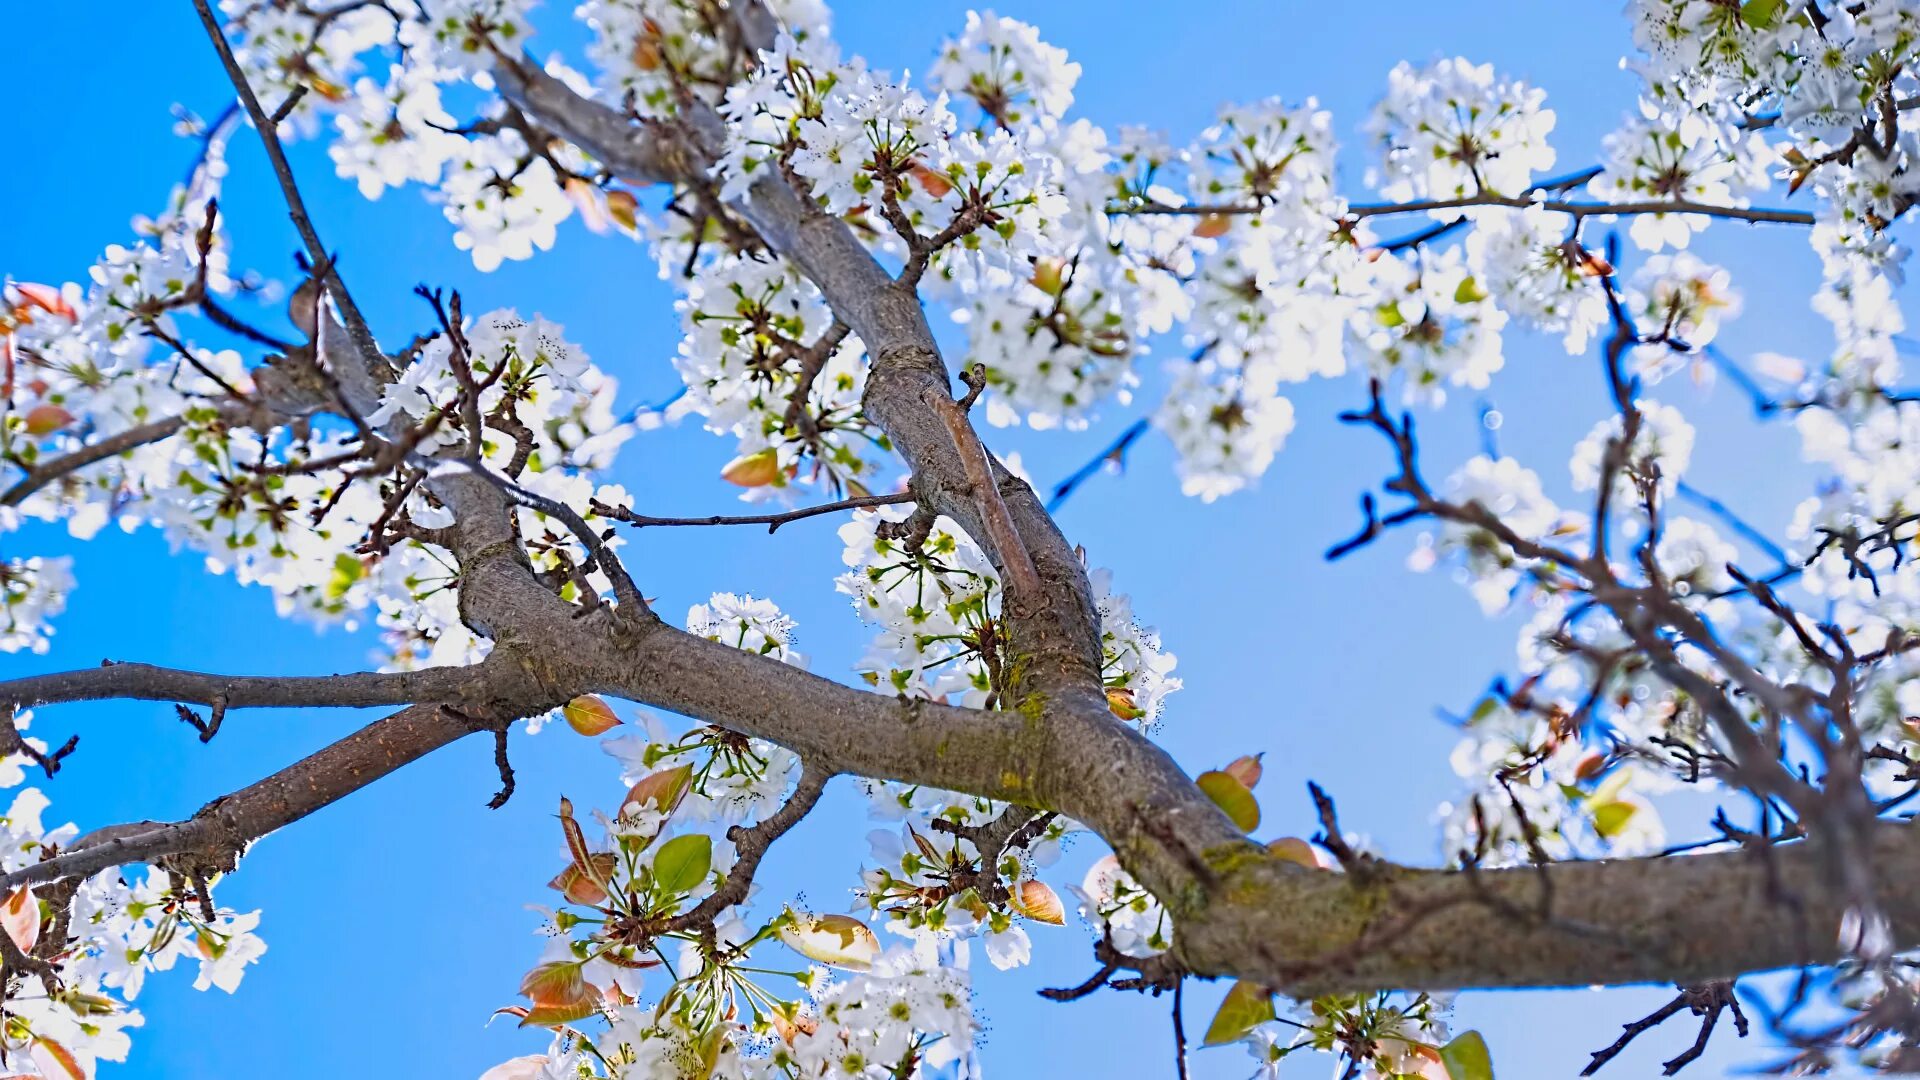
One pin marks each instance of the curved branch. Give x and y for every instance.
(752, 843)
(46, 473)
(220, 830)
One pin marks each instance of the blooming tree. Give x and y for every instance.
(817, 215)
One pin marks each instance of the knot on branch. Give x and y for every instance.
(912, 531)
(210, 726)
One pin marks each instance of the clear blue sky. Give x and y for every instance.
(395, 919)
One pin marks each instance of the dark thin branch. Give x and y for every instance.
(1707, 1000)
(1115, 455)
(209, 727)
(1734, 521)
(1518, 202)
(1179, 1034)
(772, 521)
(265, 125)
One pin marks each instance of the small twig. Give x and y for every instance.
(209, 727)
(1179, 1034)
(1707, 1000)
(505, 766)
(12, 742)
(772, 521)
(975, 376)
(1330, 836)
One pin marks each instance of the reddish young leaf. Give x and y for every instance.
(662, 790)
(1246, 769)
(20, 918)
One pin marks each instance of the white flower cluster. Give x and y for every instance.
(1433, 324)
(1537, 274)
(396, 133)
(1053, 347)
(463, 34)
(505, 200)
(1225, 429)
(755, 626)
(1669, 153)
(929, 606)
(752, 330)
(647, 51)
(908, 884)
(287, 47)
(1114, 902)
(1678, 300)
(1512, 493)
(1657, 457)
(32, 591)
(504, 196)
(1821, 69)
(1455, 130)
(120, 929)
(1007, 70)
(937, 607)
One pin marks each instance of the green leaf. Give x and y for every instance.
(1762, 14)
(1245, 1007)
(1610, 818)
(1468, 292)
(1466, 1058)
(682, 863)
(346, 571)
(1231, 796)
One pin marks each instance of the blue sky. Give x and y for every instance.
(395, 919)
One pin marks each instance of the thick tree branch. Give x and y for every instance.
(144, 682)
(1238, 911)
(1057, 624)
(216, 834)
